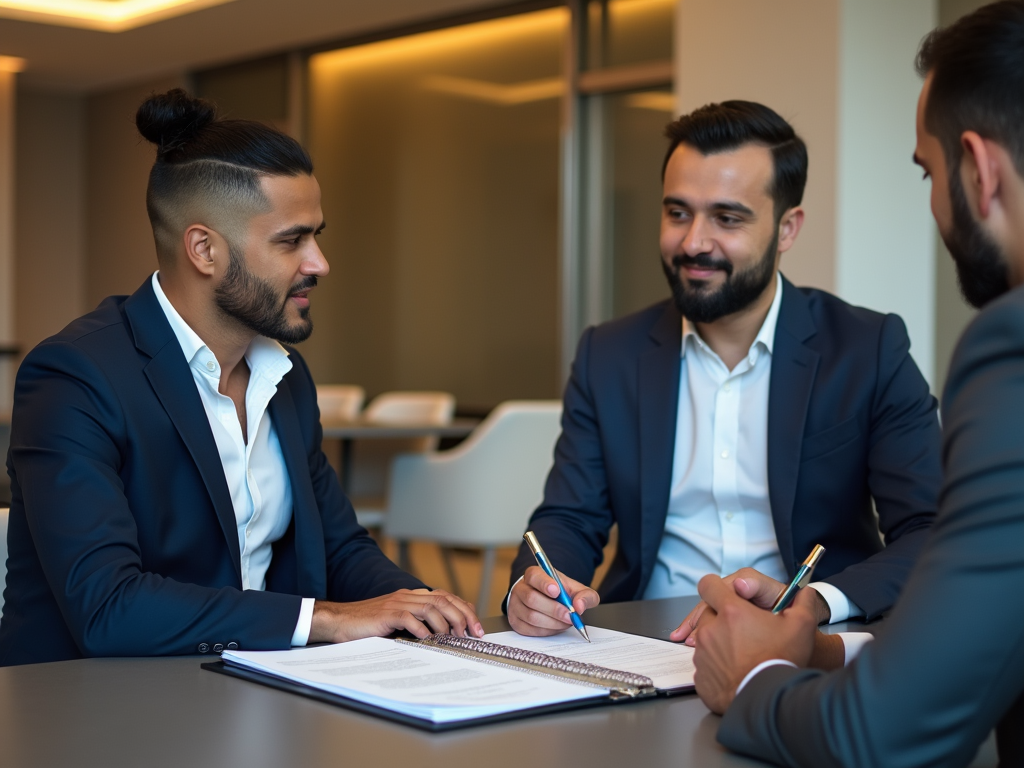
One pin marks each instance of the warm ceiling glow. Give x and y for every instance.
(497, 93)
(450, 42)
(11, 64)
(104, 15)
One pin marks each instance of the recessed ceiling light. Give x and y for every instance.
(105, 15)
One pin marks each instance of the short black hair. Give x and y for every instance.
(202, 160)
(977, 68)
(729, 125)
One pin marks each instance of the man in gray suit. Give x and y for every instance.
(948, 663)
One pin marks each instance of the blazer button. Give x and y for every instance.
(204, 647)
(218, 647)
(232, 646)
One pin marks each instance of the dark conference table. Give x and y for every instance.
(161, 712)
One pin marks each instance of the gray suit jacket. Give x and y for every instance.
(948, 664)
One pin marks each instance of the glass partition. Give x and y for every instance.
(438, 157)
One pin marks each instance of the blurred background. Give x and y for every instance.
(490, 171)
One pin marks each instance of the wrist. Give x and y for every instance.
(829, 652)
(822, 609)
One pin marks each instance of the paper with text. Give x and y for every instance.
(413, 680)
(669, 665)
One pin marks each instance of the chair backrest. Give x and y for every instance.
(4, 514)
(371, 458)
(340, 401)
(411, 407)
(482, 492)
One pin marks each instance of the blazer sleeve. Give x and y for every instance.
(357, 569)
(68, 445)
(949, 661)
(575, 518)
(904, 473)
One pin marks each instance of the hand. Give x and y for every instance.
(533, 607)
(749, 584)
(736, 636)
(419, 611)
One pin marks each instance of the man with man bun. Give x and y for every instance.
(169, 492)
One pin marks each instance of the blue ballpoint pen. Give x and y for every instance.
(563, 596)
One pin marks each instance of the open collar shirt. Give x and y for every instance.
(256, 475)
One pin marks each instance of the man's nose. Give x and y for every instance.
(696, 240)
(315, 262)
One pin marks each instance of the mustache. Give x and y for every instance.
(307, 283)
(701, 261)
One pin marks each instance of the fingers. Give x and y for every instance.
(688, 625)
(461, 614)
(442, 611)
(533, 610)
(717, 593)
(759, 589)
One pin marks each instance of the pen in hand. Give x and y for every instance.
(563, 596)
(800, 580)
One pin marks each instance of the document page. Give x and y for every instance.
(414, 680)
(668, 664)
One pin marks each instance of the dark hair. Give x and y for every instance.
(977, 68)
(722, 127)
(200, 156)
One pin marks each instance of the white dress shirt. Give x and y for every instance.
(719, 512)
(256, 475)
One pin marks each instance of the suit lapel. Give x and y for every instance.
(310, 551)
(169, 375)
(658, 395)
(792, 378)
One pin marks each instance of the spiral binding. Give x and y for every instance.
(613, 677)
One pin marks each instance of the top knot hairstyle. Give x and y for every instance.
(729, 125)
(977, 68)
(206, 168)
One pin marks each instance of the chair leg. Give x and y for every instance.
(404, 562)
(449, 566)
(486, 571)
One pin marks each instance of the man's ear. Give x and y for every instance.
(789, 227)
(199, 248)
(979, 174)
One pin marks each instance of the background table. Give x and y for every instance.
(169, 712)
(347, 431)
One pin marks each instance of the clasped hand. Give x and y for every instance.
(419, 611)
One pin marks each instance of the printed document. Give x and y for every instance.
(414, 680)
(669, 665)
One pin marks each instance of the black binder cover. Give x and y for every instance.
(416, 722)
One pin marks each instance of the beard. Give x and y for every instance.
(254, 303)
(980, 268)
(698, 302)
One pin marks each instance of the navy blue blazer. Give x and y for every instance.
(122, 538)
(850, 419)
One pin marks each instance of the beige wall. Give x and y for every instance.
(49, 211)
(784, 54)
(119, 251)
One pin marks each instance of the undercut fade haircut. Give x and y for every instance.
(977, 68)
(208, 169)
(723, 127)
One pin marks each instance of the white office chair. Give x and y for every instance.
(372, 458)
(4, 514)
(340, 401)
(481, 493)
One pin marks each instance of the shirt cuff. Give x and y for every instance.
(301, 635)
(853, 644)
(509, 595)
(839, 605)
(764, 665)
